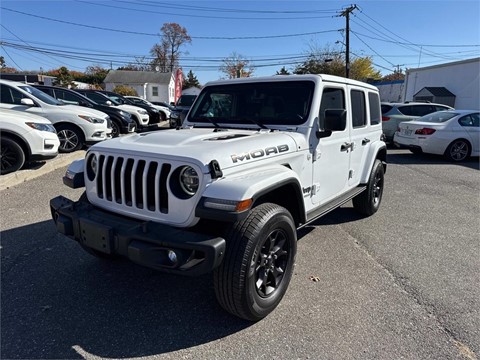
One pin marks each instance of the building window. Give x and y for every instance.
(154, 90)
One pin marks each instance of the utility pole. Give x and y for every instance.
(347, 13)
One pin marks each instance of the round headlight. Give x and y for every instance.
(92, 165)
(189, 181)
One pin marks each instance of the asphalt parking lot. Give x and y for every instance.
(400, 284)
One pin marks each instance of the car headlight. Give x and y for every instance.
(125, 114)
(188, 179)
(143, 112)
(41, 127)
(92, 167)
(91, 119)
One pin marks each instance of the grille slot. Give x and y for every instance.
(140, 184)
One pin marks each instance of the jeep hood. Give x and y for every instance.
(231, 147)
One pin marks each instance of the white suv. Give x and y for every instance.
(255, 160)
(76, 126)
(25, 138)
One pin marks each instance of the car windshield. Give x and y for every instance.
(268, 103)
(186, 100)
(41, 95)
(437, 117)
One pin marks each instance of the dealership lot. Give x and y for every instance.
(403, 283)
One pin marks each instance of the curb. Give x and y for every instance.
(34, 170)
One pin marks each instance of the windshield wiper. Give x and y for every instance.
(253, 121)
(209, 119)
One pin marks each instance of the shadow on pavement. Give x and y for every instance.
(60, 302)
(405, 157)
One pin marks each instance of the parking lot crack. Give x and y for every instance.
(404, 285)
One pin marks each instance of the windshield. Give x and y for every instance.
(116, 98)
(269, 103)
(437, 117)
(41, 95)
(186, 100)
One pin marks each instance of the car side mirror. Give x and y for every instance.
(108, 102)
(27, 102)
(334, 120)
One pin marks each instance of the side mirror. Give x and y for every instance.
(334, 120)
(27, 102)
(108, 102)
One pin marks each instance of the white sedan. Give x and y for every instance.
(453, 133)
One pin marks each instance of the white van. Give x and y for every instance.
(76, 126)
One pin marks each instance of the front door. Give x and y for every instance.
(331, 157)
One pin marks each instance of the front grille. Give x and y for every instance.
(134, 183)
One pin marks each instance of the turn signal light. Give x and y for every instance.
(424, 131)
(385, 118)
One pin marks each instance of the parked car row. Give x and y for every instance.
(37, 121)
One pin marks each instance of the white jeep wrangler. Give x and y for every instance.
(255, 160)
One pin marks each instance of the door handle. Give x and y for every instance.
(345, 146)
(365, 141)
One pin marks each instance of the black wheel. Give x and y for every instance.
(258, 263)
(368, 202)
(96, 253)
(458, 150)
(12, 156)
(71, 138)
(115, 129)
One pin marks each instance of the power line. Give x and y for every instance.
(158, 35)
(196, 16)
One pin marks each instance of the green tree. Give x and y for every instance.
(332, 62)
(396, 75)
(63, 78)
(167, 52)
(190, 81)
(95, 74)
(237, 65)
(125, 90)
(283, 71)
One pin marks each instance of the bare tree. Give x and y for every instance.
(237, 65)
(167, 52)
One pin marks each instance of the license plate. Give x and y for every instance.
(96, 236)
(407, 132)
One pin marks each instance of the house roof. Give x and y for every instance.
(437, 91)
(137, 77)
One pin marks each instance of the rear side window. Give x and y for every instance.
(472, 120)
(359, 118)
(374, 104)
(386, 108)
(67, 97)
(416, 110)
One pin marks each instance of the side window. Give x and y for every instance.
(332, 98)
(97, 98)
(67, 97)
(406, 110)
(420, 110)
(359, 118)
(154, 90)
(472, 120)
(440, 108)
(10, 95)
(5, 95)
(374, 105)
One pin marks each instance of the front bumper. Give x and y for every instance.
(143, 242)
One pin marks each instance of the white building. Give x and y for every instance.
(461, 79)
(150, 85)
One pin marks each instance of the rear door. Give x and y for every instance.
(366, 118)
